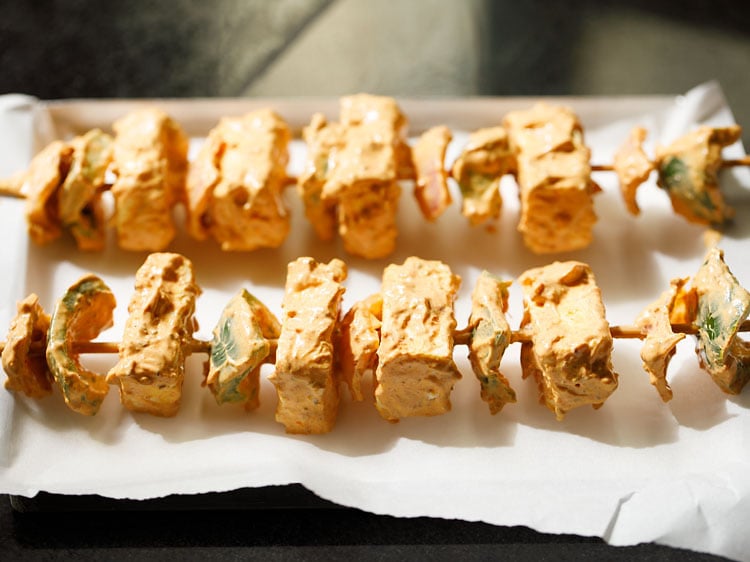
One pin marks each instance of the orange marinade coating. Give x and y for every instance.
(304, 376)
(27, 371)
(688, 171)
(160, 326)
(431, 186)
(554, 177)
(236, 183)
(351, 175)
(569, 354)
(359, 339)
(661, 341)
(150, 163)
(632, 167)
(478, 170)
(416, 372)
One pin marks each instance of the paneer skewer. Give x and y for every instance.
(404, 336)
(351, 181)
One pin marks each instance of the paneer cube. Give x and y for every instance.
(150, 163)
(157, 333)
(416, 371)
(352, 171)
(570, 347)
(554, 178)
(236, 184)
(304, 376)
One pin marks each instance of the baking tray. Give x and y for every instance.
(626, 449)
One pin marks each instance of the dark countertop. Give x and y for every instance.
(220, 526)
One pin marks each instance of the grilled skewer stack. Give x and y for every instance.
(404, 335)
(351, 181)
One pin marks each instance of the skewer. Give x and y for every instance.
(565, 337)
(290, 181)
(730, 163)
(460, 337)
(744, 161)
(334, 195)
(6, 191)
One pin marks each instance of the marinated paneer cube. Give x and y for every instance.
(416, 372)
(364, 109)
(478, 171)
(543, 129)
(570, 347)
(364, 186)
(27, 371)
(661, 341)
(431, 186)
(490, 336)
(236, 184)
(82, 313)
(359, 339)
(157, 333)
(632, 167)
(352, 172)
(723, 305)
(240, 345)
(304, 376)
(150, 164)
(367, 219)
(323, 139)
(554, 178)
(688, 170)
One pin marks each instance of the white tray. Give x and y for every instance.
(635, 470)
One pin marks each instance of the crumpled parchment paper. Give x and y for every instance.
(636, 470)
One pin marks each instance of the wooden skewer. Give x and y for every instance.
(460, 337)
(602, 168)
(11, 188)
(744, 161)
(10, 191)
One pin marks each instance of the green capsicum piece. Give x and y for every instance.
(723, 305)
(238, 349)
(83, 312)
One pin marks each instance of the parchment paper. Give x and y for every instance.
(637, 470)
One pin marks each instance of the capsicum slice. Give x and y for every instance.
(83, 312)
(238, 349)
